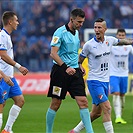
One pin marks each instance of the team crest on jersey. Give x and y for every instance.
(125, 48)
(56, 90)
(55, 39)
(107, 43)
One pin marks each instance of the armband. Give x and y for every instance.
(17, 65)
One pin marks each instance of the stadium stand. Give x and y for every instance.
(39, 19)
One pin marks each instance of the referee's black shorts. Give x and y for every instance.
(61, 83)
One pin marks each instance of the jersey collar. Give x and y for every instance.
(97, 40)
(73, 32)
(5, 31)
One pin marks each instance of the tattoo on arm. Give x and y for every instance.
(126, 41)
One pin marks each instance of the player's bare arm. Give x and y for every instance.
(7, 59)
(81, 59)
(55, 56)
(6, 78)
(58, 60)
(126, 41)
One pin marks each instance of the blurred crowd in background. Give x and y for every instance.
(39, 18)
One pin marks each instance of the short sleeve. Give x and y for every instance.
(56, 39)
(115, 41)
(131, 49)
(3, 42)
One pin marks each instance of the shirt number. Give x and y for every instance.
(104, 66)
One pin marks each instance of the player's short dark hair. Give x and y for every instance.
(7, 15)
(77, 12)
(121, 30)
(99, 20)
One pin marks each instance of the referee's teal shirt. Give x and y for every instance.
(68, 44)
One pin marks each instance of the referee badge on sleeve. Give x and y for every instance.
(55, 39)
(56, 90)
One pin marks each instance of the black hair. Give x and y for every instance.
(78, 12)
(121, 30)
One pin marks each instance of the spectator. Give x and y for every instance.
(34, 58)
(22, 53)
(41, 18)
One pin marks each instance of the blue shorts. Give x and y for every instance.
(98, 90)
(118, 84)
(1, 95)
(7, 91)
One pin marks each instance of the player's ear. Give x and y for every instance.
(71, 19)
(105, 28)
(9, 22)
(104, 25)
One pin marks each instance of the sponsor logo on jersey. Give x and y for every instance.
(104, 54)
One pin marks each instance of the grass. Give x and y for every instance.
(32, 116)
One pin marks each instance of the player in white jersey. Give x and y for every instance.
(119, 75)
(97, 50)
(8, 80)
(10, 23)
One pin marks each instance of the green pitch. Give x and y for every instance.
(32, 116)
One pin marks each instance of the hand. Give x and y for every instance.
(23, 70)
(8, 80)
(82, 69)
(1, 77)
(70, 71)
